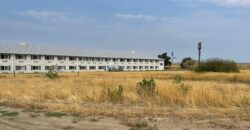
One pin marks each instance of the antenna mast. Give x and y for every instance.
(199, 53)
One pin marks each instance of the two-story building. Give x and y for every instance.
(23, 58)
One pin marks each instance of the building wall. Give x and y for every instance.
(137, 65)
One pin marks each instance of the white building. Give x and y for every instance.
(38, 59)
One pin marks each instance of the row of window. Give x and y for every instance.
(63, 58)
(62, 68)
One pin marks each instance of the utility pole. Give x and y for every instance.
(172, 55)
(199, 53)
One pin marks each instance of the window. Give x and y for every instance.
(98, 59)
(114, 60)
(101, 67)
(151, 61)
(128, 67)
(35, 67)
(48, 67)
(135, 67)
(141, 60)
(35, 57)
(20, 57)
(156, 61)
(128, 60)
(92, 67)
(20, 68)
(135, 60)
(80, 58)
(146, 67)
(86, 59)
(106, 59)
(140, 67)
(151, 67)
(146, 60)
(61, 68)
(122, 60)
(83, 67)
(72, 67)
(161, 64)
(4, 56)
(49, 57)
(156, 67)
(61, 58)
(4, 68)
(120, 67)
(72, 58)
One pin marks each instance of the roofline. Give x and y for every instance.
(85, 56)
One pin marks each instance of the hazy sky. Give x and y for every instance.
(144, 26)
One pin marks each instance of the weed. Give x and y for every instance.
(115, 94)
(76, 114)
(177, 79)
(34, 115)
(94, 120)
(2, 104)
(181, 87)
(136, 123)
(75, 120)
(68, 128)
(52, 73)
(2, 112)
(55, 114)
(147, 88)
(148, 128)
(10, 114)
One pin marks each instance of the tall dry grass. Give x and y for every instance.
(87, 93)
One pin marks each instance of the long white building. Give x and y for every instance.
(23, 58)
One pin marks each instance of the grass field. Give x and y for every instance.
(208, 94)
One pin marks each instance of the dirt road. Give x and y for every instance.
(22, 119)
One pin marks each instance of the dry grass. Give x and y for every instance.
(217, 94)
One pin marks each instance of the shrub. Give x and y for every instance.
(187, 63)
(55, 114)
(217, 65)
(52, 73)
(115, 94)
(147, 87)
(10, 114)
(181, 87)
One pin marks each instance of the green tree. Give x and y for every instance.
(166, 58)
(187, 63)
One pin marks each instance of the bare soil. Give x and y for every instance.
(25, 119)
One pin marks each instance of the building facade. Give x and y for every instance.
(36, 59)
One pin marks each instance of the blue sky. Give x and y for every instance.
(149, 27)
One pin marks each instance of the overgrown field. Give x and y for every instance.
(182, 94)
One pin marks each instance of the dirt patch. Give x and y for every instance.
(42, 120)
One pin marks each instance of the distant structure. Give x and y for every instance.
(172, 57)
(25, 58)
(199, 52)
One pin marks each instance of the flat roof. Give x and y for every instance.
(46, 50)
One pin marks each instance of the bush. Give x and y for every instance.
(187, 63)
(181, 87)
(147, 87)
(217, 65)
(52, 73)
(115, 94)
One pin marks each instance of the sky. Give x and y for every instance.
(148, 27)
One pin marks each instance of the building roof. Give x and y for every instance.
(46, 50)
